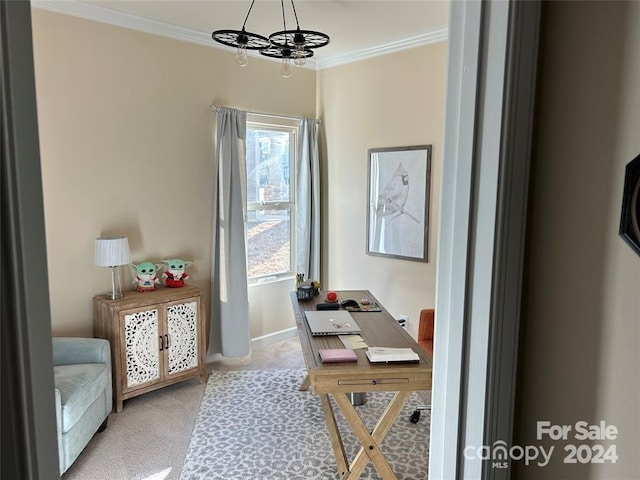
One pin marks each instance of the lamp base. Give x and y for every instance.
(116, 285)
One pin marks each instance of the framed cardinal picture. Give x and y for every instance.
(398, 203)
(630, 218)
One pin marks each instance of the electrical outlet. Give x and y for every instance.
(403, 320)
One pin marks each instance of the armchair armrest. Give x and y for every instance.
(73, 350)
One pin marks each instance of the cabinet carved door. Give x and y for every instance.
(182, 329)
(141, 332)
(157, 339)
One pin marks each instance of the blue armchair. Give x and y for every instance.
(82, 371)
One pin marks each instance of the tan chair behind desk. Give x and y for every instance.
(425, 340)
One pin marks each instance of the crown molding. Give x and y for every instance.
(126, 20)
(183, 34)
(434, 36)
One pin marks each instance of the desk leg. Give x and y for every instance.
(381, 429)
(370, 450)
(334, 435)
(304, 386)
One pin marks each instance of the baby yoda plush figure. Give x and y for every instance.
(146, 277)
(174, 274)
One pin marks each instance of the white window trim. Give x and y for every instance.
(288, 125)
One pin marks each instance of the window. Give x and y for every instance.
(271, 151)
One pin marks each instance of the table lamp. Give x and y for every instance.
(112, 252)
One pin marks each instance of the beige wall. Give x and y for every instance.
(387, 101)
(582, 295)
(126, 148)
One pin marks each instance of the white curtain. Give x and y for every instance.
(308, 200)
(229, 332)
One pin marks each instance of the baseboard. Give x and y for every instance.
(274, 337)
(262, 341)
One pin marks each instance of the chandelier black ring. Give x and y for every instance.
(302, 38)
(241, 39)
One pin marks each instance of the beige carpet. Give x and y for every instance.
(148, 440)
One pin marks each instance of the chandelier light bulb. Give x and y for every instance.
(285, 69)
(241, 56)
(300, 59)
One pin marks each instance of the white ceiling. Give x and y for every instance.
(358, 28)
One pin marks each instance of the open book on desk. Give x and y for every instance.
(387, 355)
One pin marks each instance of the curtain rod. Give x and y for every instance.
(216, 109)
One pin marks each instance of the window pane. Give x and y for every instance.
(268, 242)
(267, 165)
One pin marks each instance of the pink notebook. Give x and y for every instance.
(334, 355)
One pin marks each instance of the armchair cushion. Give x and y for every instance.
(82, 371)
(79, 386)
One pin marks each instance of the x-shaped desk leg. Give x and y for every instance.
(304, 386)
(370, 449)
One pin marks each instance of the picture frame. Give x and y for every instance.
(399, 190)
(630, 216)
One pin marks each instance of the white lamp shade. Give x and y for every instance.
(111, 251)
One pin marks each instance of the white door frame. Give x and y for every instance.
(29, 442)
(489, 116)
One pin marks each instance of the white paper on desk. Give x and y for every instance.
(386, 354)
(353, 341)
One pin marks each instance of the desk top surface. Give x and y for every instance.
(379, 329)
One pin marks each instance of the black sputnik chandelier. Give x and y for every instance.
(290, 45)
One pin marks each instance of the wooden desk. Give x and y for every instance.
(379, 329)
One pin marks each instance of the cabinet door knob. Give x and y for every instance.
(166, 336)
(161, 343)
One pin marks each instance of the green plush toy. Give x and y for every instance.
(175, 274)
(146, 277)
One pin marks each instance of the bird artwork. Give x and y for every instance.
(393, 198)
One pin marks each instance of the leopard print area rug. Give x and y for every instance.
(257, 425)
